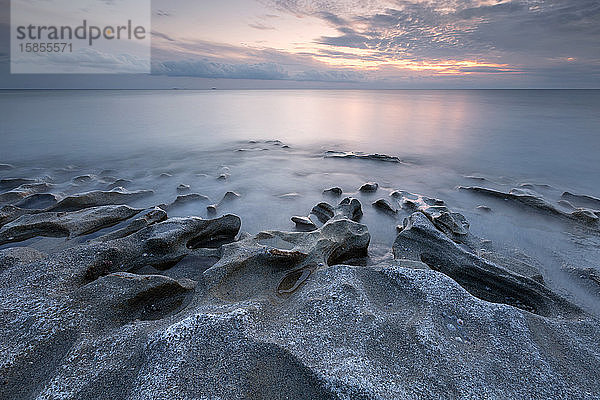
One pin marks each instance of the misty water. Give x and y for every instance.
(270, 145)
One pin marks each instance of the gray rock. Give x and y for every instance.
(582, 200)
(82, 179)
(334, 191)
(64, 224)
(421, 241)
(384, 206)
(369, 187)
(98, 198)
(323, 211)
(182, 188)
(185, 199)
(227, 198)
(531, 201)
(304, 223)
(153, 216)
(362, 156)
(6, 167)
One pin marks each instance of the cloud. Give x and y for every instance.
(208, 69)
(260, 26)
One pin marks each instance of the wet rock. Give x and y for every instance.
(11, 183)
(582, 200)
(421, 241)
(277, 317)
(183, 188)
(185, 199)
(98, 198)
(323, 211)
(119, 183)
(22, 191)
(19, 255)
(304, 223)
(38, 201)
(369, 187)
(349, 208)
(362, 156)
(6, 167)
(64, 224)
(384, 206)
(455, 225)
(334, 191)
(483, 208)
(148, 218)
(165, 175)
(290, 196)
(82, 179)
(340, 239)
(122, 297)
(585, 216)
(223, 177)
(227, 198)
(10, 213)
(527, 200)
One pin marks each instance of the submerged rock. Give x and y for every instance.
(227, 198)
(362, 156)
(524, 199)
(64, 224)
(582, 200)
(334, 191)
(369, 187)
(384, 206)
(98, 198)
(182, 188)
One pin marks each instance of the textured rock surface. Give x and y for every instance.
(189, 308)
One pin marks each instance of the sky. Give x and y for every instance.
(390, 44)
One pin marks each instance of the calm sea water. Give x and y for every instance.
(508, 137)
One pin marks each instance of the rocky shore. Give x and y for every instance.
(142, 305)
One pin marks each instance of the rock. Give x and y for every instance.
(334, 191)
(339, 240)
(278, 317)
(82, 179)
(585, 216)
(349, 208)
(64, 224)
(582, 200)
(529, 201)
(323, 211)
(362, 156)
(483, 208)
(369, 187)
(119, 183)
(183, 188)
(153, 216)
(384, 206)
(98, 198)
(304, 223)
(227, 198)
(22, 191)
(126, 297)
(6, 167)
(11, 183)
(165, 175)
(185, 199)
(38, 201)
(223, 177)
(421, 241)
(455, 225)
(19, 255)
(290, 196)
(10, 213)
